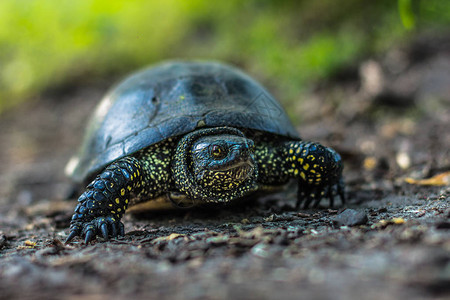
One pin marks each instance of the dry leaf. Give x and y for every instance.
(438, 180)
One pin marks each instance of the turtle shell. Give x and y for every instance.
(171, 99)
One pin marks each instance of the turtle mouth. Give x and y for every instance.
(228, 176)
(239, 171)
(245, 171)
(243, 164)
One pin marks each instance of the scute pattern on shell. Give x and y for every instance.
(171, 99)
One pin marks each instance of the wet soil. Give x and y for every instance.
(389, 117)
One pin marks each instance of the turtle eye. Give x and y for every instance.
(218, 152)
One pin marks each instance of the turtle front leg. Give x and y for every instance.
(105, 200)
(318, 170)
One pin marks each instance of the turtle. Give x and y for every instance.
(192, 132)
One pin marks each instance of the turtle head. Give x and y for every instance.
(215, 165)
(222, 161)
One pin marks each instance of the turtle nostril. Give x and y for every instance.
(246, 154)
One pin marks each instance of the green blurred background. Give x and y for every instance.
(288, 45)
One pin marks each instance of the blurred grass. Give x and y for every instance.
(288, 44)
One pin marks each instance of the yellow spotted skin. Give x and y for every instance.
(318, 170)
(194, 166)
(105, 200)
(126, 181)
(156, 178)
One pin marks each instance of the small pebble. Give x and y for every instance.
(350, 217)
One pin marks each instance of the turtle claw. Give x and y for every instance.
(305, 196)
(114, 229)
(308, 201)
(317, 202)
(89, 236)
(342, 196)
(314, 195)
(71, 236)
(331, 197)
(340, 191)
(106, 227)
(121, 229)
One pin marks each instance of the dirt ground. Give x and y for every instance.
(389, 117)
